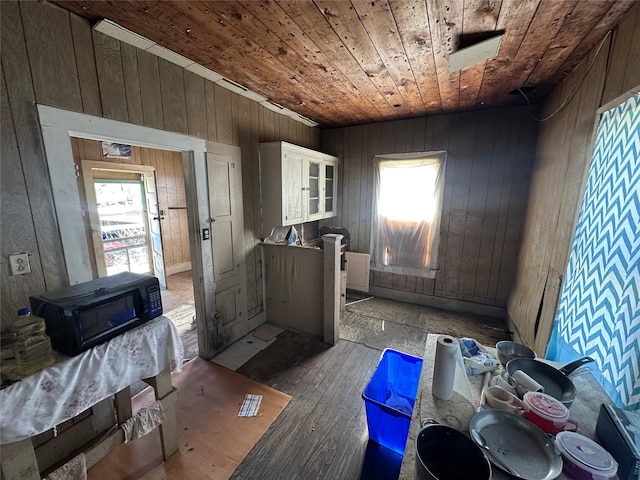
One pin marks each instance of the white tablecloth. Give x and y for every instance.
(41, 401)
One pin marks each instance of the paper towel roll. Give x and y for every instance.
(444, 366)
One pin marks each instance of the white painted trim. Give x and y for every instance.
(57, 127)
(112, 29)
(98, 128)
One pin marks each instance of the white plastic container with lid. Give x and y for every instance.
(584, 459)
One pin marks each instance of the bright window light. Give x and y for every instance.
(407, 193)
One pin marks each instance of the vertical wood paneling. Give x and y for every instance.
(439, 137)
(495, 280)
(244, 139)
(196, 104)
(69, 65)
(373, 145)
(353, 169)
(624, 70)
(254, 165)
(223, 117)
(587, 102)
(18, 77)
(210, 100)
(132, 83)
(475, 221)
(87, 74)
(447, 198)
(478, 147)
(492, 206)
(173, 172)
(460, 204)
(110, 77)
(267, 126)
(16, 234)
(563, 157)
(174, 105)
(150, 90)
(51, 54)
(234, 118)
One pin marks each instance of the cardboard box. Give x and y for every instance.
(619, 433)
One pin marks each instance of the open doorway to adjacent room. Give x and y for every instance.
(136, 213)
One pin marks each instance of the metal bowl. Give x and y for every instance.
(508, 350)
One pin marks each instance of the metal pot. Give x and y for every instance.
(555, 381)
(444, 453)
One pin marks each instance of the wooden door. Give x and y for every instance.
(155, 229)
(292, 188)
(225, 204)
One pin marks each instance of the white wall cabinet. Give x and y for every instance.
(297, 185)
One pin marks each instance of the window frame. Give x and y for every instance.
(377, 264)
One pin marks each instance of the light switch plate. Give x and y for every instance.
(19, 263)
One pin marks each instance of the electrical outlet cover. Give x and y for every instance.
(19, 263)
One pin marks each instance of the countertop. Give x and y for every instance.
(458, 411)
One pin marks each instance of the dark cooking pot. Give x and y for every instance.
(444, 453)
(555, 381)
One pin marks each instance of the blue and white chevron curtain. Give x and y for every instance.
(599, 311)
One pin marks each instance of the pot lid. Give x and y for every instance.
(587, 452)
(546, 404)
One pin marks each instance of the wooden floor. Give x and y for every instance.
(178, 298)
(212, 439)
(322, 434)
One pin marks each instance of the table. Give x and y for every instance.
(72, 385)
(458, 411)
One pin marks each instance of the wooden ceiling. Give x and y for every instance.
(345, 62)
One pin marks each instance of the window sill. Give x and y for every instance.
(398, 270)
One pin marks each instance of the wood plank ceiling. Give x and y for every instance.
(345, 62)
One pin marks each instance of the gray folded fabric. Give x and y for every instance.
(143, 422)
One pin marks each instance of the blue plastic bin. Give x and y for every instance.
(389, 398)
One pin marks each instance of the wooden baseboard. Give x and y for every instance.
(178, 268)
(440, 302)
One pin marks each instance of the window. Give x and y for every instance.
(408, 192)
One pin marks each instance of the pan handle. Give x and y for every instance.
(570, 367)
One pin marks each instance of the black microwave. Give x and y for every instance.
(84, 315)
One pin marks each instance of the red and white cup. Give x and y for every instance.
(548, 413)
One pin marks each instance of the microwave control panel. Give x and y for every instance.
(155, 302)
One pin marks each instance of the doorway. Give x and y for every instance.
(124, 236)
(137, 215)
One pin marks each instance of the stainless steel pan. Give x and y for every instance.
(555, 381)
(517, 444)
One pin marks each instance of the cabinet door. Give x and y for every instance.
(330, 189)
(292, 189)
(314, 190)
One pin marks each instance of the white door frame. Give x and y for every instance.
(88, 176)
(58, 126)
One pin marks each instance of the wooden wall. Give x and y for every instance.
(489, 157)
(171, 195)
(563, 156)
(52, 57)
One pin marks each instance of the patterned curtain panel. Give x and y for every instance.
(599, 311)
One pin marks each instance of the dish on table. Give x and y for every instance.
(518, 443)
